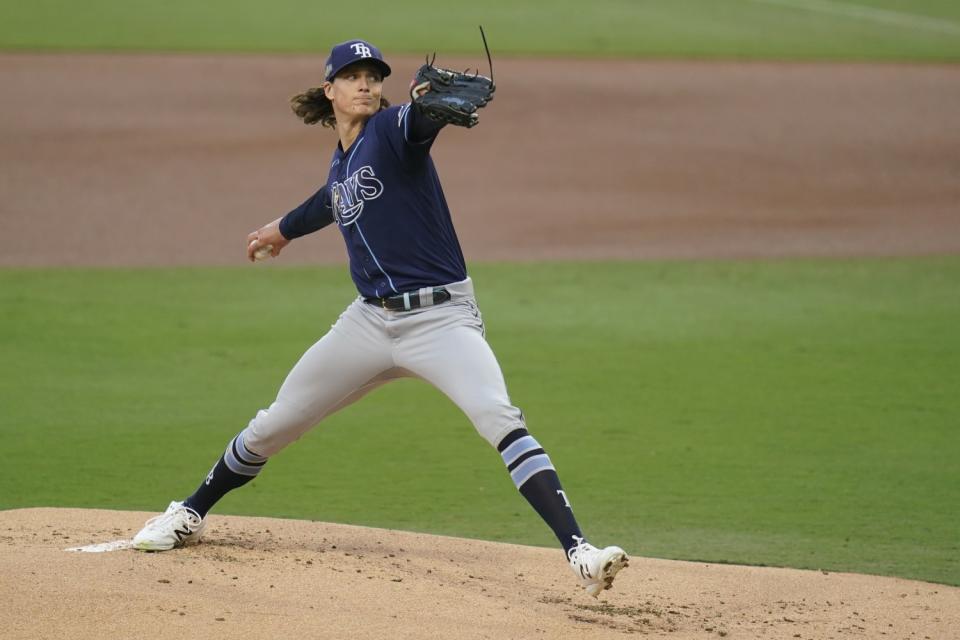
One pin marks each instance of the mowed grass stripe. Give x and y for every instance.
(860, 12)
(798, 413)
(729, 29)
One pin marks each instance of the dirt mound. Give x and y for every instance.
(289, 578)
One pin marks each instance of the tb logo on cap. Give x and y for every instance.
(361, 50)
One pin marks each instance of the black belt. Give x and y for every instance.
(426, 297)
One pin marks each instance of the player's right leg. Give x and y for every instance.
(349, 361)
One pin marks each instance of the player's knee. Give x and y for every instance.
(274, 428)
(495, 424)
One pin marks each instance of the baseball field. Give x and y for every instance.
(717, 249)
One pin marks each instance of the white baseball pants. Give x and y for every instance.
(369, 346)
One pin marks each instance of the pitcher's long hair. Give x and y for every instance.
(312, 106)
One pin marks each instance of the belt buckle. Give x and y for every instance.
(383, 302)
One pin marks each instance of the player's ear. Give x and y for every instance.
(327, 89)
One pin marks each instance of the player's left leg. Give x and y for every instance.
(446, 347)
(460, 363)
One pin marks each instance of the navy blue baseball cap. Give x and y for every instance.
(351, 51)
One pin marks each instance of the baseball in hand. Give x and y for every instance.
(263, 252)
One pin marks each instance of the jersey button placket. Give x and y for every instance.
(367, 263)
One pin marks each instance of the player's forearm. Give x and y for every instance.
(421, 127)
(314, 214)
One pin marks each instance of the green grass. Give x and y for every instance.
(922, 30)
(799, 413)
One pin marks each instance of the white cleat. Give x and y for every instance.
(596, 568)
(178, 526)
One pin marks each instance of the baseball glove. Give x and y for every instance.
(452, 97)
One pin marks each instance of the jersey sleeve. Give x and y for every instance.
(315, 213)
(409, 133)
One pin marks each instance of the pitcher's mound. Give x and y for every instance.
(265, 577)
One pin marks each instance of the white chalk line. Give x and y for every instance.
(886, 16)
(102, 547)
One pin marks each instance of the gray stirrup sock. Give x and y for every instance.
(235, 468)
(538, 482)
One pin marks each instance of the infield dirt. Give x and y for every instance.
(121, 160)
(170, 160)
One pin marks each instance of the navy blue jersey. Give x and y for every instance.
(386, 198)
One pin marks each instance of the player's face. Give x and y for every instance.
(355, 91)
